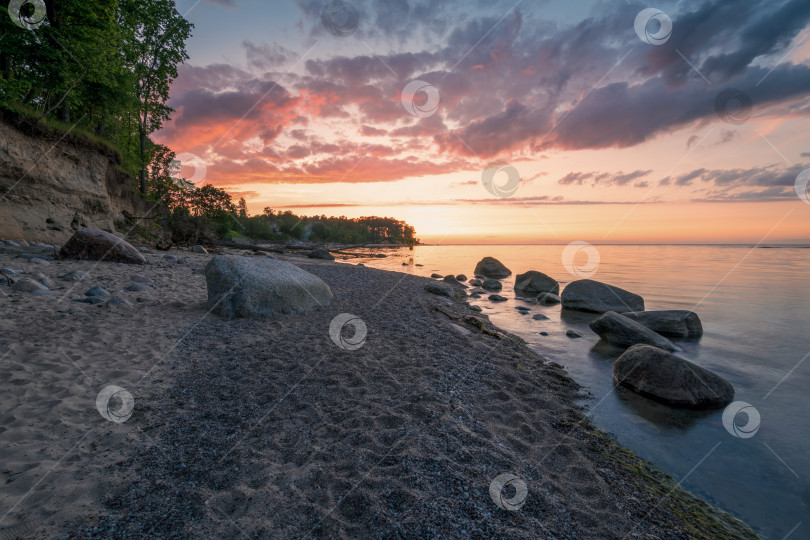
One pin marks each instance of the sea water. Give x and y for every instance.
(754, 302)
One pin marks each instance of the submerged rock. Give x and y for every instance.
(497, 298)
(598, 297)
(99, 245)
(548, 299)
(244, 287)
(675, 322)
(619, 330)
(491, 285)
(452, 281)
(492, 268)
(533, 282)
(667, 378)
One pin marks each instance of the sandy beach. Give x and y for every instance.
(271, 428)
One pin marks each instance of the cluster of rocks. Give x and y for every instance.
(648, 366)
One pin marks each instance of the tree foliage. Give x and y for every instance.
(104, 66)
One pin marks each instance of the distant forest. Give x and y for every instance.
(102, 69)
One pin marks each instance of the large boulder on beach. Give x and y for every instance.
(492, 268)
(598, 297)
(678, 323)
(99, 245)
(667, 378)
(249, 287)
(619, 330)
(533, 282)
(439, 289)
(320, 253)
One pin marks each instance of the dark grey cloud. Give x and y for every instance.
(602, 178)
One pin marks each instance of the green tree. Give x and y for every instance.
(154, 35)
(241, 208)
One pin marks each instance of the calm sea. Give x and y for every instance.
(755, 308)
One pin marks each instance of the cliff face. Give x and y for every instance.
(50, 188)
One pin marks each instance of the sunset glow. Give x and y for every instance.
(614, 139)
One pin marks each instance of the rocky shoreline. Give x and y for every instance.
(280, 427)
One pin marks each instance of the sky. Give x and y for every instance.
(539, 121)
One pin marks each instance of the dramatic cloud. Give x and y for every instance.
(513, 85)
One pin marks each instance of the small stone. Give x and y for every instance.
(199, 249)
(76, 275)
(543, 333)
(138, 287)
(171, 259)
(476, 308)
(141, 279)
(45, 280)
(539, 317)
(97, 291)
(497, 298)
(90, 300)
(436, 276)
(118, 302)
(28, 285)
(572, 334)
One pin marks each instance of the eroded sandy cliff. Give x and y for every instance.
(51, 187)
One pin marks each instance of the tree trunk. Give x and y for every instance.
(5, 65)
(102, 125)
(142, 133)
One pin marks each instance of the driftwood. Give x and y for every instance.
(8, 279)
(275, 248)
